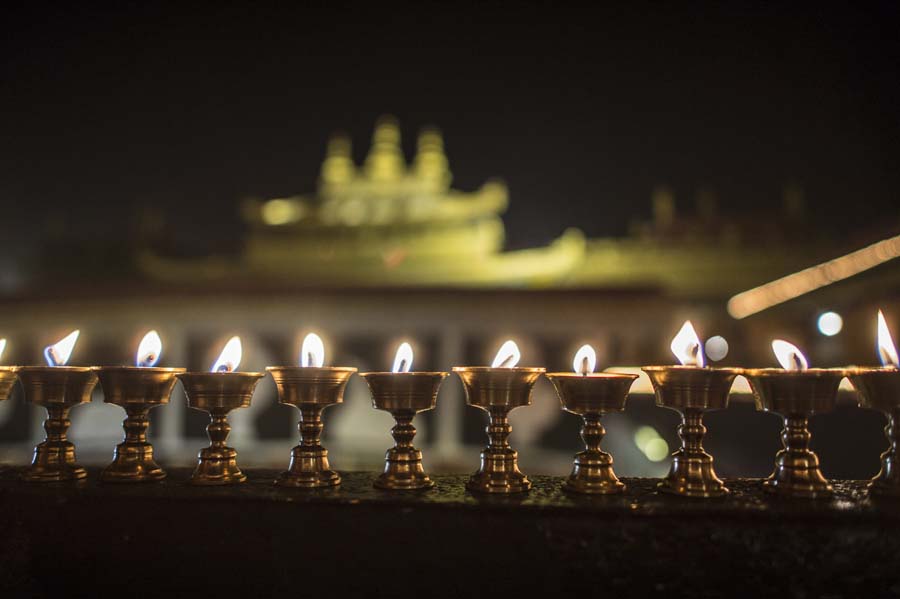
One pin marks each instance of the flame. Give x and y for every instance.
(312, 353)
(149, 350)
(2, 346)
(58, 353)
(887, 351)
(230, 358)
(507, 356)
(687, 347)
(789, 356)
(585, 360)
(403, 359)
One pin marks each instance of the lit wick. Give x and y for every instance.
(149, 350)
(507, 356)
(58, 353)
(585, 360)
(507, 362)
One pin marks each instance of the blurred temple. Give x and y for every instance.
(387, 224)
(388, 251)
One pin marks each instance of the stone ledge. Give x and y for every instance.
(260, 540)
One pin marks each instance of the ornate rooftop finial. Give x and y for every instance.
(338, 167)
(663, 207)
(430, 163)
(385, 161)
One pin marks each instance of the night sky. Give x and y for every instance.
(105, 111)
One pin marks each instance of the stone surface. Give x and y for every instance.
(260, 540)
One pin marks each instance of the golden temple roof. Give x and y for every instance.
(391, 223)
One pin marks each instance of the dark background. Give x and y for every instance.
(108, 110)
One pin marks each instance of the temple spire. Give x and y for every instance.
(430, 163)
(385, 161)
(337, 168)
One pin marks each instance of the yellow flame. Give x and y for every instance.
(312, 353)
(887, 351)
(507, 356)
(789, 356)
(230, 358)
(2, 346)
(58, 353)
(149, 350)
(403, 359)
(585, 360)
(687, 347)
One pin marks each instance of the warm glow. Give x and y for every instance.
(797, 284)
(830, 323)
(687, 347)
(651, 444)
(887, 351)
(508, 355)
(149, 350)
(281, 211)
(585, 360)
(716, 348)
(789, 356)
(2, 346)
(58, 353)
(312, 353)
(403, 359)
(230, 358)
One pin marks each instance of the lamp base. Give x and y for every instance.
(133, 463)
(887, 482)
(593, 475)
(797, 471)
(309, 469)
(403, 471)
(499, 473)
(54, 462)
(798, 476)
(692, 475)
(217, 466)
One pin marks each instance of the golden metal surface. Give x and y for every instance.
(8, 378)
(137, 391)
(691, 390)
(217, 393)
(403, 395)
(880, 390)
(498, 391)
(796, 395)
(310, 390)
(592, 396)
(58, 389)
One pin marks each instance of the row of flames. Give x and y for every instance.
(685, 345)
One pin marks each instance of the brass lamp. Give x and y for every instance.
(310, 388)
(137, 389)
(691, 389)
(879, 389)
(404, 394)
(58, 388)
(498, 390)
(796, 393)
(592, 395)
(217, 393)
